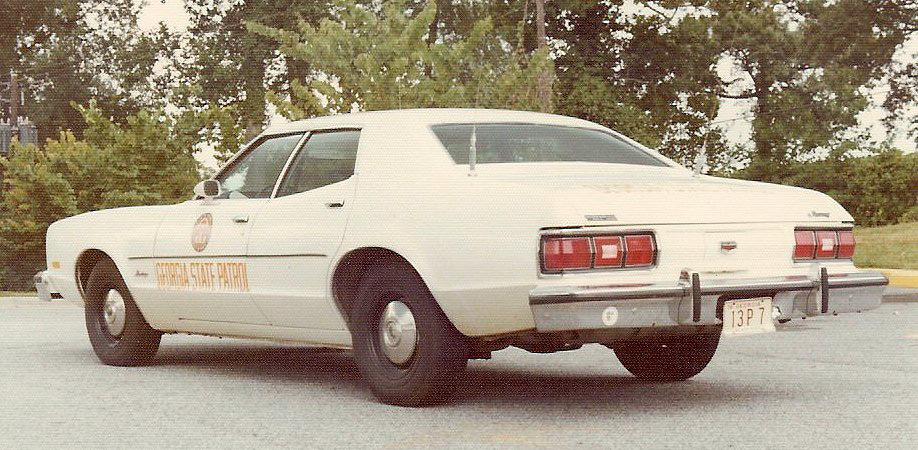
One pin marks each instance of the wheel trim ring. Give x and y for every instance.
(114, 313)
(397, 331)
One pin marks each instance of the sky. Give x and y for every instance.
(732, 113)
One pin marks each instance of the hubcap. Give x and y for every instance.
(397, 332)
(114, 313)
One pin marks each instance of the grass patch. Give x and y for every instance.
(889, 247)
(18, 293)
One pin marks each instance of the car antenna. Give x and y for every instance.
(473, 152)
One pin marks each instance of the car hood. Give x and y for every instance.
(599, 194)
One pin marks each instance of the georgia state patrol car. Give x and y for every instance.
(424, 238)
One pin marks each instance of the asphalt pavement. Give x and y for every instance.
(849, 381)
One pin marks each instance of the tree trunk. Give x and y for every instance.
(544, 80)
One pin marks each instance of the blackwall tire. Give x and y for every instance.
(673, 358)
(405, 366)
(119, 334)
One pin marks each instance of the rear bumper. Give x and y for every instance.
(693, 301)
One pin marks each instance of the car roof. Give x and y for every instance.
(427, 117)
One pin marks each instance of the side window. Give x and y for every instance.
(328, 157)
(255, 173)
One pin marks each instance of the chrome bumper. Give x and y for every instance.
(692, 301)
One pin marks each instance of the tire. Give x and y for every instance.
(673, 358)
(117, 342)
(429, 372)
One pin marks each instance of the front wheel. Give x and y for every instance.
(117, 330)
(407, 350)
(670, 358)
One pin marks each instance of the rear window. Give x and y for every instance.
(509, 143)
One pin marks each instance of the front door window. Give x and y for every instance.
(254, 174)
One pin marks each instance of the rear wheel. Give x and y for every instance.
(671, 358)
(407, 350)
(117, 330)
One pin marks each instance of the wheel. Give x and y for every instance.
(672, 358)
(406, 349)
(119, 334)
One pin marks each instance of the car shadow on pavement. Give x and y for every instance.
(497, 387)
(274, 364)
(592, 393)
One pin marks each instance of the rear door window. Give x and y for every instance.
(327, 158)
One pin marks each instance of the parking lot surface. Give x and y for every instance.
(833, 382)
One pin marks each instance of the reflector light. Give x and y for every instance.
(826, 244)
(609, 251)
(567, 253)
(846, 244)
(806, 244)
(639, 250)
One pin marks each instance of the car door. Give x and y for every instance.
(298, 233)
(201, 269)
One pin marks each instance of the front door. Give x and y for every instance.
(200, 265)
(297, 235)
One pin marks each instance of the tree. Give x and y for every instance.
(807, 64)
(34, 197)
(371, 58)
(147, 159)
(76, 50)
(229, 67)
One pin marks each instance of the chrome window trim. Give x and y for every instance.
(283, 172)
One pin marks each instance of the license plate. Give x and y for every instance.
(748, 316)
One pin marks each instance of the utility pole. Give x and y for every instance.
(14, 105)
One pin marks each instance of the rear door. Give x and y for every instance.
(297, 234)
(200, 264)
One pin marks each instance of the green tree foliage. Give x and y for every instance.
(35, 195)
(229, 67)
(647, 74)
(807, 63)
(876, 190)
(80, 50)
(372, 58)
(146, 160)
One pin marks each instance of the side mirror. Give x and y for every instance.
(207, 189)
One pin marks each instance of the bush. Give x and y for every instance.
(876, 190)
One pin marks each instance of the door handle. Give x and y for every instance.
(241, 219)
(335, 204)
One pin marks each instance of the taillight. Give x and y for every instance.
(826, 244)
(598, 252)
(567, 253)
(639, 250)
(823, 244)
(845, 244)
(806, 244)
(609, 251)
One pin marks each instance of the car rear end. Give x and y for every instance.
(744, 275)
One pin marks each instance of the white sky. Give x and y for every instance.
(173, 14)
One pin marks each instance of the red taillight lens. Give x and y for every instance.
(639, 250)
(845, 244)
(806, 244)
(609, 251)
(567, 253)
(826, 244)
(598, 252)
